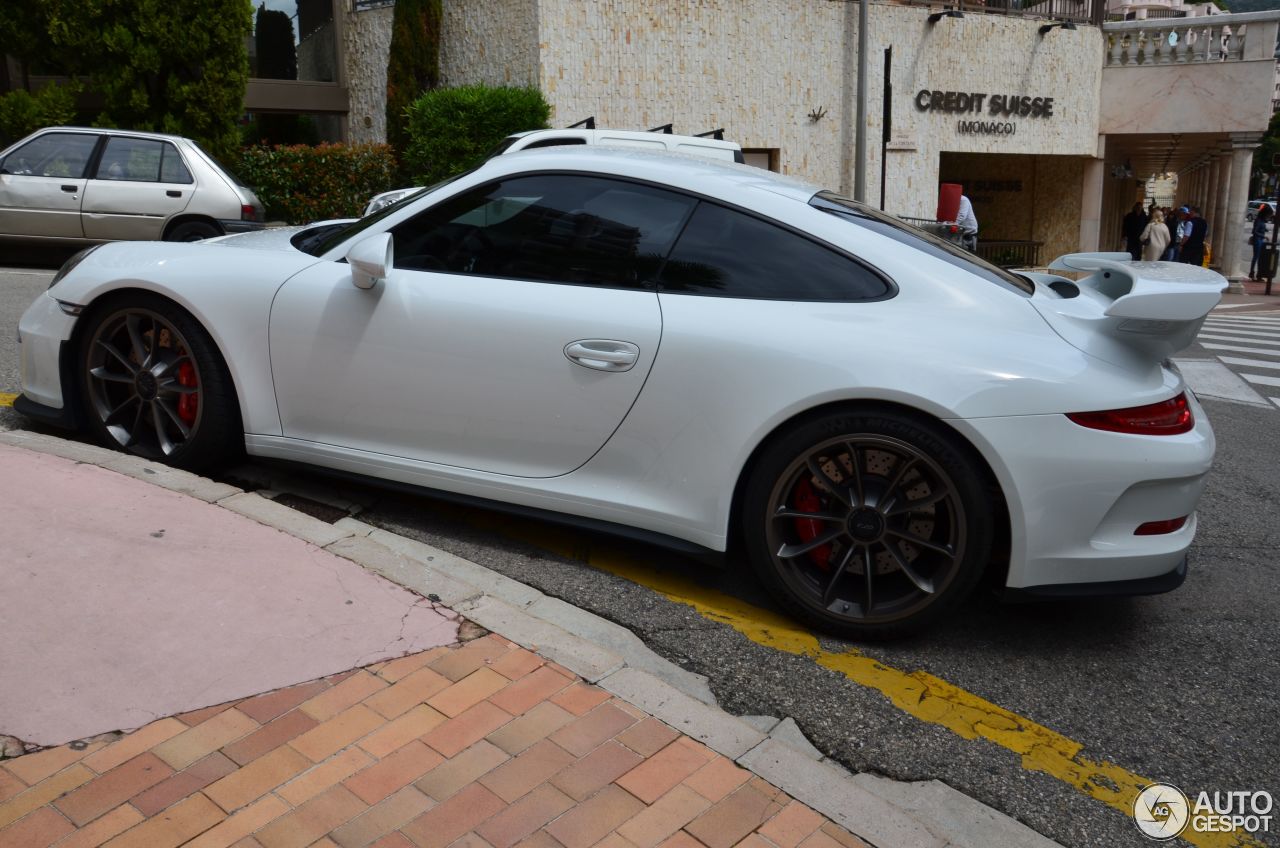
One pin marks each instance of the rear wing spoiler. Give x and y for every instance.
(1125, 310)
(1155, 291)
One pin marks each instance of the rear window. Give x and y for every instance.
(726, 253)
(235, 178)
(887, 225)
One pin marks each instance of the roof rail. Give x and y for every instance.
(586, 123)
(665, 128)
(718, 135)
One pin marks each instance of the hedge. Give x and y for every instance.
(453, 129)
(300, 184)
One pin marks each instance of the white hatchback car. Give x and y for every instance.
(73, 185)
(693, 352)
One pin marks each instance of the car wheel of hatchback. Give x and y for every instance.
(193, 231)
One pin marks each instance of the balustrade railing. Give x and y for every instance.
(1078, 11)
(1180, 41)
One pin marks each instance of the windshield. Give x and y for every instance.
(332, 238)
(938, 248)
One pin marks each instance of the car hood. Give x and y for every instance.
(274, 238)
(278, 238)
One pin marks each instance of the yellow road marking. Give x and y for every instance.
(7, 399)
(917, 693)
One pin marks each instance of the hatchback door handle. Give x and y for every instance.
(70, 189)
(603, 354)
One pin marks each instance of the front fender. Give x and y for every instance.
(227, 289)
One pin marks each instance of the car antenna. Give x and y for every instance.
(665, 128)
(718, 135)
(587, 123)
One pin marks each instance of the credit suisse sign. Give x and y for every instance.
(994, 106)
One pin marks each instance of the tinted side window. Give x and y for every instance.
(732, 254)
(52, 155)
(561, 228)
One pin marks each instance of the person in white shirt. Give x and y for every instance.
(968, 224)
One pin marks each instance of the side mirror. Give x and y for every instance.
(370, 260)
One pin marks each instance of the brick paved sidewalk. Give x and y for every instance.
(484, 744)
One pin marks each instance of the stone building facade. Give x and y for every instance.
(780, 77)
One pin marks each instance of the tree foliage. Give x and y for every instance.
(413, 63)
(1267, 150)
(453, 129)
(22, 113)
(156, 64)
(273, 40)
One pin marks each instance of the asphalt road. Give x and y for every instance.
(1178, 688)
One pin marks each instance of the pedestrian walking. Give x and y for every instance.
(1155, 237)
(1173, 220)
(1258, 238)
(968, 224)
(1192, 249)
(1131, 229)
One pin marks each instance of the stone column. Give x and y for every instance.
(1219, 207)
(1092, 190)
(1210, 206)
(1236, 264)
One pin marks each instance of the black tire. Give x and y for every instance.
(185, 413)
(917, 512)
(193, 231)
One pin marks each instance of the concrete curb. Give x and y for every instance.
(885, 813)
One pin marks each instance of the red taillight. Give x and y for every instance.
(1167, 418)
(248, 213)
(1159, 528)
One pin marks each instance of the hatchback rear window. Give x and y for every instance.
(887, 225)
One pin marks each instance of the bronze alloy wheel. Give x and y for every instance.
(153, 383)
(143, 383)
(872, 531)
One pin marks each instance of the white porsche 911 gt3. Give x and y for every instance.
(693, 352)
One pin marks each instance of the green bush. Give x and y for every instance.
(453, 129)
(300, 184)
(22, 113)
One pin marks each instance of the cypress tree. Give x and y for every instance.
(413, 65)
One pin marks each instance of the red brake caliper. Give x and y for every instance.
(807, 500)
(188, 404)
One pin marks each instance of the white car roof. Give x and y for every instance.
(691, 172)
(604, 135)
(114, 131)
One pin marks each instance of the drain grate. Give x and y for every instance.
(315, 509)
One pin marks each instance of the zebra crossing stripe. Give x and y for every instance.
(1239, 332)
(1249, 363)
(1255, 336)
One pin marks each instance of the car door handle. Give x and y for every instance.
(173, 193)
(602, 354)
(70, 189)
